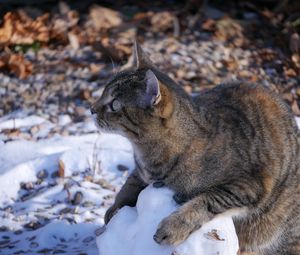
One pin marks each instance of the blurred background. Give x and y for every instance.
(54, 56)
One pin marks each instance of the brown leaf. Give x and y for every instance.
(296, 59)
(12, 132)
(228, 29)
(7, 29)
(17, 64)
(162, 21)
(290, 72)
(104, 18)
(20, 66)
(88, 178)
(62, 24)
(18, 28)
(209, 25)
(61, 169)
(213, 234)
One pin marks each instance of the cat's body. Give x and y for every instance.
(234, 149)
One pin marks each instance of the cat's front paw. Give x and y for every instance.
(172, 230)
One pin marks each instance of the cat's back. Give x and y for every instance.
(239, 102)
(257, 121)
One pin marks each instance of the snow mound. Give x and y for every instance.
(131, 230)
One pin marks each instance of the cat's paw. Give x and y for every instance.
(179, 198)
(110, 213)
(172, 230)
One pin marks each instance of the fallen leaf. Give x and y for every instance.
(104, 18)
(73, 39)
(213, 234)
(61, 169)
(209, 25)
(290, 72)
(18, 28)
(162, 21)
(17, 64)
(63, 23)
(296, 59)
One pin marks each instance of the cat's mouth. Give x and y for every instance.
(100, 123)
(103, 125)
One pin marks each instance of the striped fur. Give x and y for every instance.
(233, 150)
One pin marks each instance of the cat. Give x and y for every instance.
(231, 150)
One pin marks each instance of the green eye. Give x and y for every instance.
(115, 105)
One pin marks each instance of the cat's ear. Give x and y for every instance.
(140, 58)
(153, 95)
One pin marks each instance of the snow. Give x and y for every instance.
(21, 160)
(86, 158)
(64, 119)
(131, 230)
(21, 122)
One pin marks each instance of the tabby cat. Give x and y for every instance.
(233, 150)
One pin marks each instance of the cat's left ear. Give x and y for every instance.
(152, 95)
(140, 58)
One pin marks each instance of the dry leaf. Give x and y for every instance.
(88, 178)
(62, 24)
(20, 66)
(17, 64)
(228, 29)
(61, 169)
(162, 21)
(209, 25)
(213, 234)
(296, 59)
(73, 39)
(18, 28)
(104, 18)
(290, 72)
(12, 132)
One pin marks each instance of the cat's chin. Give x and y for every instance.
(108, 130)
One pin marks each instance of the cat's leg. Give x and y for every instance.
(127, 196)
(193, 214)
(179, 225)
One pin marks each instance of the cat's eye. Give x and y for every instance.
(115, 105)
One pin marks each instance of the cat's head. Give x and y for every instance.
(135, 100)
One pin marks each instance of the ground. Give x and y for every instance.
(57, 173)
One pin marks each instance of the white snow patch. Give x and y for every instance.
(131, 230)
(20, 161)
(21, 122)
(64, 119)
